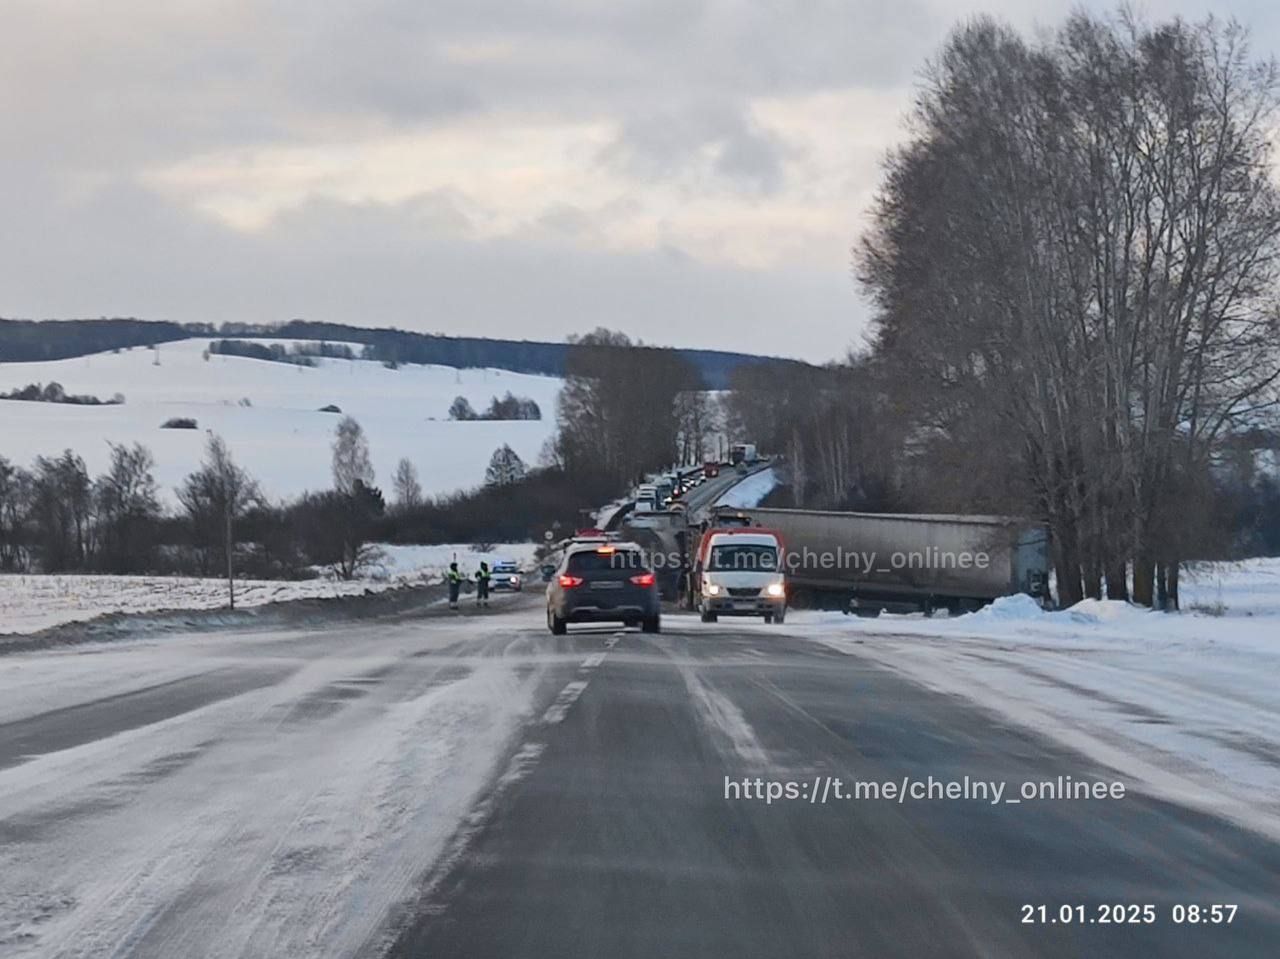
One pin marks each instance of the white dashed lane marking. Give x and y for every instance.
(568, 696)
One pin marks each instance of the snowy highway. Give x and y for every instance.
(469, 785)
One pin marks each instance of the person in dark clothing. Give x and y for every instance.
(482, 584)
(454, 578)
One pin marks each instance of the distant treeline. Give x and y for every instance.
(28, 341)
(296, 354)
(54, 393)
(56, 517)
(508, 407)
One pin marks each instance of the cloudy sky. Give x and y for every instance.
(693, 172)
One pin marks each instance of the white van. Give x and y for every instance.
(739, 572)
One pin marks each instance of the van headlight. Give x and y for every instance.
(775, 589)
(713, 589)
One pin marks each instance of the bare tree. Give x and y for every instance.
(216, 496)
(408, 489)
(61, 512)
(617, 410)
(15, 503)
(695, 422)
(825, 421)
(128, 508)
(1075, 263)
(461, 409)
(351, 463)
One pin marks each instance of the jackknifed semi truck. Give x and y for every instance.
(867, 563)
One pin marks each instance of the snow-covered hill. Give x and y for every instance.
(279, 435)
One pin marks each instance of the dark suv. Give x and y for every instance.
(603, 583)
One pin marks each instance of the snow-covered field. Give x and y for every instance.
(1187, 706)
(30, 603)
(432, 561)
(281, 438)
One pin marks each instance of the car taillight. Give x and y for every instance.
(644, 579)
(570, 581)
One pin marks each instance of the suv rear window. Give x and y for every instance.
(596, 562)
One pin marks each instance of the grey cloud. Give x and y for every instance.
(669, 144)
(93, 97)
(379, 264)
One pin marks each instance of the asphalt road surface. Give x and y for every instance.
(471, 786)
(620, 842)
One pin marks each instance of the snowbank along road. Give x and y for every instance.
(470, 785)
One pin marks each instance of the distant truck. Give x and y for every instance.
(646, 498)
(711, 469)
(743, 454)
(665, 534)
(871, 562)
(739, 572)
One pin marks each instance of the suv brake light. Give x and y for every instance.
(643, 579)
(568, 582)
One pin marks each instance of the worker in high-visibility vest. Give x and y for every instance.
(482, 584)
(454, 578)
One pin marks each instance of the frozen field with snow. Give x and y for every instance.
(30, 602)
(1186, 705)
(281, 438)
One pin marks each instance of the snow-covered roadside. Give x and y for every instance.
(1186, 707)
(751, 491)
(29, 603)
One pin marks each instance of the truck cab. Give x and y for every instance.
(739, 572)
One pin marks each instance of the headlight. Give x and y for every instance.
(515, 580)
(775, 589)
(713, 589)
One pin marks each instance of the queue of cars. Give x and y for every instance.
(668, 488)
(755, 560)
(600, 578)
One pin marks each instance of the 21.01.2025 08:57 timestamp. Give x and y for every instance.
(1129, 913)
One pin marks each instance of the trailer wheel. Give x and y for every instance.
(868, 612)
